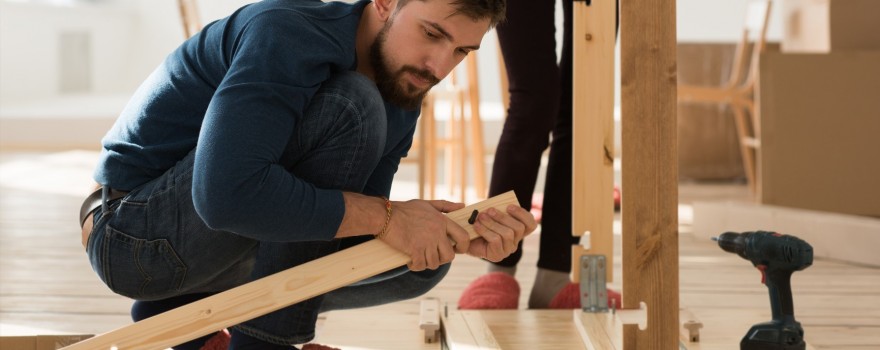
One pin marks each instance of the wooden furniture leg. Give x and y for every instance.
(650, 170)
(593, 128)
(271, 293)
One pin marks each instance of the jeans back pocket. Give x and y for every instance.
(139, 268)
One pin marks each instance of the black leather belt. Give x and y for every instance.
(96, 200)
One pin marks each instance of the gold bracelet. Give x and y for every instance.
(387, 218)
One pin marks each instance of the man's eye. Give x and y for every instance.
(431, 34)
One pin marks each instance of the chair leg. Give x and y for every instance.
(430, 147)
(422, 150)
(748, 156)
(477, 151)
(462, 153)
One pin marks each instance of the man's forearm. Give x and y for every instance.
(363, 215)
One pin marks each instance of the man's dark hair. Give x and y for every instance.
(494, 10)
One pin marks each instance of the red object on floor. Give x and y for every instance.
(569, 298)
(311, 346)
(616, 197)
(220, 341)
(496, 290)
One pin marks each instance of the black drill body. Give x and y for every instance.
(777, 256)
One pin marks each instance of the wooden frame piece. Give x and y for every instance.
(649, 170)
(271, 293)
(593, 141)
(429, 319)
(466, 330)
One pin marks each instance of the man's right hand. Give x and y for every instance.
(420, 229)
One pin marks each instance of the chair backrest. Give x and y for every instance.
(753, 40)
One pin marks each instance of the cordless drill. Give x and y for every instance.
(777, 256)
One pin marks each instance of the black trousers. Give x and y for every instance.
(540, 106)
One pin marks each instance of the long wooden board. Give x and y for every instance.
(649, 170)
(593, 127)
(466, 330)
(270, 293)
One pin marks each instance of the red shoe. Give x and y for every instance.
(496, 290)
(220, 341)
(569, 298)
(616, 198)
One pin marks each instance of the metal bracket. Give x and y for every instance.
(594, 296)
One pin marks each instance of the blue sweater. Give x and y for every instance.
(234, 92)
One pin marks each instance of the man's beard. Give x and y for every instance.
(392, 85)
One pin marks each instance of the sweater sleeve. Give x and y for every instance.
(276, 64)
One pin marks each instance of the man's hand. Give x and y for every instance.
(500, 233)
(420, 229)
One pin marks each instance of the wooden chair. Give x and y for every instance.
(454, 141)
(738, 91)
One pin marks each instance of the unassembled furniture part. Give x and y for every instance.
(429, 319)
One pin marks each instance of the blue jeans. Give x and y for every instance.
(151, 245)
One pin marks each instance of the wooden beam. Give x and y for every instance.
(271, 293)
(650, 170)
(593, 127)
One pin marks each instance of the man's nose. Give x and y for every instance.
(440, 63)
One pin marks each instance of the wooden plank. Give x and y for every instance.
(593, 127)
(429, 319)
(533, 329)
(466, 330)
(271, 293)
(377, 328)
(649, 170)
(595, 330)
(604, 330)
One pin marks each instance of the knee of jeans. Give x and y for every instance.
(424, 281)
(360, 90)
(363, 96)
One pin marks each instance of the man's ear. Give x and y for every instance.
(384, 8)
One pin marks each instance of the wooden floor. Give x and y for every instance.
(46, 282)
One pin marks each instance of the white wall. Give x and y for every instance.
(720, 20)
(130, 37)
(30, 57)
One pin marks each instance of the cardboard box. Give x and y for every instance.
(40, 342)
(820, 131)
(822, 26)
